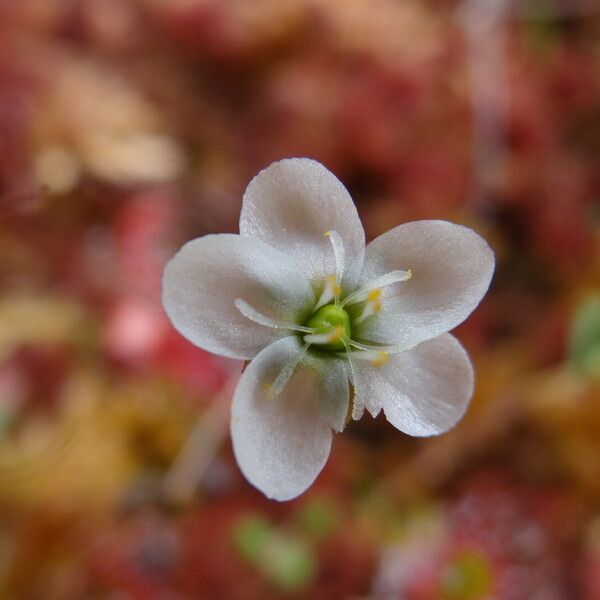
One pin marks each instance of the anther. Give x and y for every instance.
(377, 358)
(372, 305)
(390, 278)
(331, 292)
(380, 358)
(330, 337)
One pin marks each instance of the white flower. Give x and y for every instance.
(298, 293)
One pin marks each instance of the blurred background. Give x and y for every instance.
(128, 127)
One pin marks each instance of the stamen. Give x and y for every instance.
(379, 282)
(371, 347)
(335, 335)
(380, 359)
(251, 313)
(372, 306)
(376, 357)
(374, 295)
(339, 253)
(358, 408)
(330, 292)
(347, 355)
(274, 389)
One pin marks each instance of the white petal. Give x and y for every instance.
(291, 205)
(452, 267)
(203, 280)
(334, 390)
(281, 443)
(358, 405)
(423, 391)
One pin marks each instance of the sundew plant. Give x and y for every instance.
(331, 326)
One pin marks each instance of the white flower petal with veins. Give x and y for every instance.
(291, 204)
(451, 269)
(334, 391)
(203, 280)
(423, 391)
(281, 443)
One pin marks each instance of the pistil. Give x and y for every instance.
(330, 327)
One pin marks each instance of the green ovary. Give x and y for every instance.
(327, 318)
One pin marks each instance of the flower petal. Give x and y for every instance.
(281, 443)
(203, 280)
(423, 391)
(452, 267)
(291, 204)
(334, 391)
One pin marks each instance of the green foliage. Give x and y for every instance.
(584, 342)
(319, 517)
(251, 536)
(283, 559)
(468, 577)
(289, 563)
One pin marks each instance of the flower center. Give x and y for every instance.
(331, 326)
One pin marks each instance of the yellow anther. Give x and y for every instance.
(331, 291)
(374, 301)
(327, 234)
(333, 285)
(372, 305)
(380, 358)
(409, 274)
(336, 334)
(374, 295)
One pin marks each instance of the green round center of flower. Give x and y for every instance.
(334, 320)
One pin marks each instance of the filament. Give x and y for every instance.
(379, 282)
(275, 388)
(339, 253)
(251, 313)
